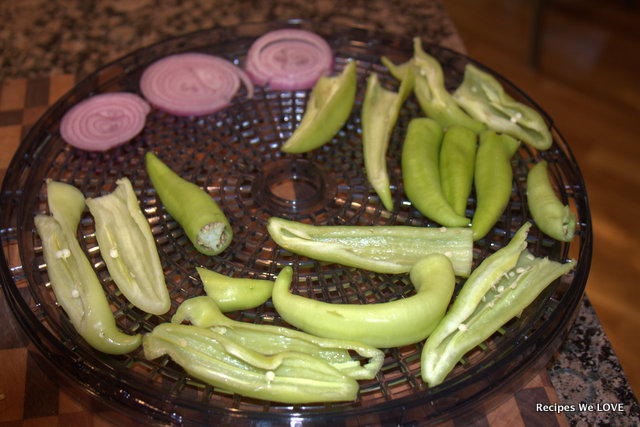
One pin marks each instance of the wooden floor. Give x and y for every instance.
(588, 80)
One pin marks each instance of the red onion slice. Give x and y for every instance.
(104, 121)
(192, 84)
(289, 59)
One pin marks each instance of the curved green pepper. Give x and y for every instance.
(73, 280)
(327, 110)
(129, 250)
(390, 324)
(484, 98)
(421, 173)
(383, 249)
(203, 221)
(270, 339)
(380, 110)
(493, 178)
(457, 163)
(505, 284)
(234, 293)
(548, 212)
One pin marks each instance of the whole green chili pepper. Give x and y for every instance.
(421, 173)
(199, 215)
(492, 180)
(287, 377)
(329, 106)
(484, 98)
(73, 280)
(548, 212)
(234, 293)
(383, 249)
(457, 163)
(129, 250)
(389, 324)
(380, 110)
(271, 339)
(500, 291)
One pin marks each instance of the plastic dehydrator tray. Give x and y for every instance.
(235, 154)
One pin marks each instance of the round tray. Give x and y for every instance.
(235, 154)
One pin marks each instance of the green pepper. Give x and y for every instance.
(389, 324)
(421, 173)
(506, 282)
(329, 106)
(429, 87)
(271, 339)
(129, 250)
(73, 280)
(380, 111)
(457, 163)
(234, 293)
(493, 178)
(548, 212)
(203, 221)
(258, 360)
(484, 98)
(383, 249)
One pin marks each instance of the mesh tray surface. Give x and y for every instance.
(235, 154)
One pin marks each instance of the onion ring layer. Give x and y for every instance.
(104, 121)
(289, 59)
(192, 84)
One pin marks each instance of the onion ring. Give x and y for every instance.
(289, 59)
(192, 84)
(104, 121)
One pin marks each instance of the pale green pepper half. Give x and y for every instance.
(329, 106)
(74, 282)
(234, 293)
(129, 249)
(261, 361)
(484, 98)
(383, 249)
(506, 283)
(386, 324)
(380, 111)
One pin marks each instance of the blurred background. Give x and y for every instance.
(579, 59)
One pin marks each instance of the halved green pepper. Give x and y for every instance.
(383, 249)
(129, 249)
(484, 98)
(260, 361)
(234, 293)
(327, 110)
(503, 285)
(73, 280)
(380, 111)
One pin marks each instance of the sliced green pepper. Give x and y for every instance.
(506, 283)
(73, 280)
(271, 339)
(389, 324)
(129, 250)
(484, 98)
(203, 221)
(329, 106)
(234, 293)
(493, 178)
(421, 173)
(548, 212)
(457, 164)
(383, 249)
(380, 111)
